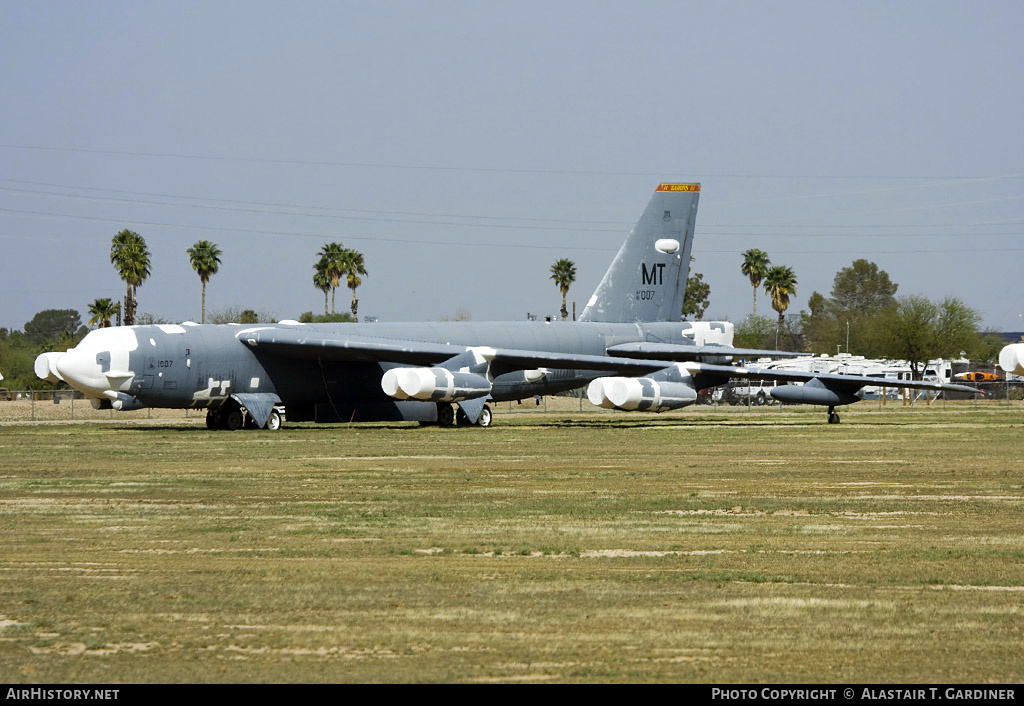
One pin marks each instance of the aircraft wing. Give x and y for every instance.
(840, 383)
(312, 345)
(683, 352)
(317, 345)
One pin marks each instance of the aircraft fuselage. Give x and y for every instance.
(199, 366)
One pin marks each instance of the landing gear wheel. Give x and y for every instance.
(212, 420)
(274, 420)
(232, 419)
(485, 417)
(833, 416)
(760, 399)
(445, 414)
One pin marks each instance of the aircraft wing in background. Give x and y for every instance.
(685, 352)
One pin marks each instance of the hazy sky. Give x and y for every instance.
(463, 147)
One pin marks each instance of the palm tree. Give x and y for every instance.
(205, 257)
(102, 311)
(321, 280)
(564, 274)
(332, 255)
(353, 265)
(130, 256)
(755, 266)
(779, 283)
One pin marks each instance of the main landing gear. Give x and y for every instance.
(232, 417)
(229, 418)
(833, 416)
(448, 416)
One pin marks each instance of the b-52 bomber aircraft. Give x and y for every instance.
(629, 345)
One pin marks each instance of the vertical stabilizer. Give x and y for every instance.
(647, 279)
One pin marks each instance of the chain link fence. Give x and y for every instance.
(68, 405)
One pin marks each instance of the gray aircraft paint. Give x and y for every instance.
(334, 372)
(649, 276)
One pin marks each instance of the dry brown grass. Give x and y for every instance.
(707, 545)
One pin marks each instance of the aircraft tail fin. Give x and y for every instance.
(647, 279)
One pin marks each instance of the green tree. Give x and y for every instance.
(52, 325)
(461, 314)
(696, 297)
(849, 317)
(322, 280)
(101, 311)
(820, 325)
(310, 318)
(234, 315)
(145, 319)
(918, 330)
(863, 288)
(205, 259)
(779, 284)
(755, 332)
(332, 256)
(249, 316)
(987, 349)
(563, 272)
(352, 266)
(130, 257)
(755, 267)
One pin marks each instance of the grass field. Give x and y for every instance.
(699, 546)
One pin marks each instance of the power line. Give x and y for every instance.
(311, 215)
(294, 207)
(320, 236)
(572, 223)
(471, 243)
(498, 170)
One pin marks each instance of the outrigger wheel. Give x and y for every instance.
(833, 417)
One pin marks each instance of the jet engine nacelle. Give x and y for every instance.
(434, 384)
(1011, 358)
(640, 394)
(812, 393)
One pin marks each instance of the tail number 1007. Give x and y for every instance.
(644, 294)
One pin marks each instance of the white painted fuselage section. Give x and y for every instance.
(99, 365)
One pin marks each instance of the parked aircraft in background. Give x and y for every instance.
(882, 371)
(629, 344)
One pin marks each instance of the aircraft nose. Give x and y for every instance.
(80, 370)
